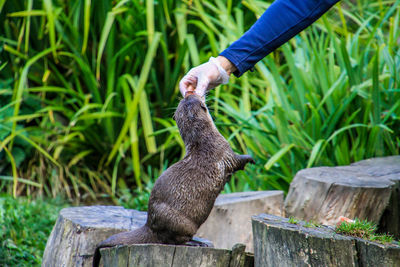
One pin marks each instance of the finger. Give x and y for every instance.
(190, 90)
(183, 85)
(187, 80)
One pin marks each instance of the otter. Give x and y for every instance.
(184, 194)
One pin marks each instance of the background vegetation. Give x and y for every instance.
(24, 228)
(88, 90)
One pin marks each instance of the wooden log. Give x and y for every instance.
(156, 255)
(324, 194)
(230, 220)
(78, 230)
(280, 243)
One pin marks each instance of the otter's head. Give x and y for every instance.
(193, 119)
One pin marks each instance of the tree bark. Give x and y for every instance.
(371, 254)
(279, 243)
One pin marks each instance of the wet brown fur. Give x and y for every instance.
(184, 194)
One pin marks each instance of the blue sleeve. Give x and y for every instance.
(280, 22)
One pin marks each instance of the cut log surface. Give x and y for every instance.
(230, 219)
(78, 230)
(364, 190)
(280, 243)
(155, 255)
(379, 166)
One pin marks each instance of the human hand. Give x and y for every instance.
(207, 76)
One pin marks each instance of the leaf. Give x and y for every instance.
(277, 156)
(316, 151)
(104, 35)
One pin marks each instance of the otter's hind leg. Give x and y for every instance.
(171, 225)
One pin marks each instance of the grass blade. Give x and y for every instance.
(86, 24)
(48, 7)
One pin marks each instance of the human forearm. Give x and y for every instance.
(279, 23)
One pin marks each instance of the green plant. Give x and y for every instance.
(310, 224)
(89, 66)
(363, 229)
(24, 228)
(293, 220)
(382, 238)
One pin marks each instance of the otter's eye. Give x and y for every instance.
(203, 106)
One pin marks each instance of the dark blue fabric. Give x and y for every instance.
(280, 22)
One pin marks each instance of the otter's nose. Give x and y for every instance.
(188, 93)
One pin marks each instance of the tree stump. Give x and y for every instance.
(361, 190)
(280, 243)
(78, 230)
(386, 168)
(230, 219)
(155, 255)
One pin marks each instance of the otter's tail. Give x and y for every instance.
(142, 235)
(96, 257)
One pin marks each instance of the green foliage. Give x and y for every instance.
(90, 87)
(24, 228)
(363, 229)
(293, 220)
(138, 199)
(358, 228)
(89, 65)
(310, 224)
